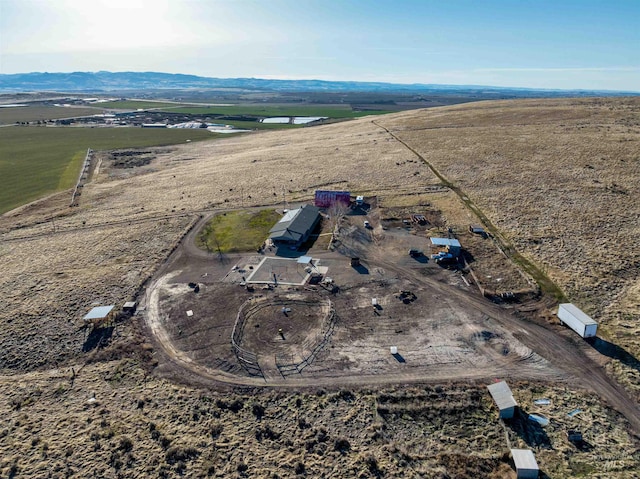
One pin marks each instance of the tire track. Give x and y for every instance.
(554, 348)
(538, 275)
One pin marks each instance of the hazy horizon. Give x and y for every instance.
(373, 82)
(586, 45)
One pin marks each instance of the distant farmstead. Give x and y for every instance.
(326, 199)
(295, 227)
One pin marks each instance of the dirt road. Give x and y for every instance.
(538, 336)
(531, 268)
(555, 348)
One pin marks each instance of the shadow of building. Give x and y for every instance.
(97, 338)
(530, 431)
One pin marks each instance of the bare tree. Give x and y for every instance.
(336, 212)
(207, 245)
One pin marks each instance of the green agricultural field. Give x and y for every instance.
(135, 105)
(36, 161)
(237, 231)
(330, 111)
(9, 116)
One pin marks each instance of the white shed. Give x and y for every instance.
(129, 306)
(525, 462)
(98, 313)
(503, 398)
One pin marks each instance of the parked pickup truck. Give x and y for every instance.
(442, 256)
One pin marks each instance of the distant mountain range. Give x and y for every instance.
(117, 81)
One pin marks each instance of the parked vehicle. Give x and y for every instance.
(441, 257)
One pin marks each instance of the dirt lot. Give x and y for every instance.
(59, 261)
(560, 180)
(436, 337)
(441, 327)
(445, 214)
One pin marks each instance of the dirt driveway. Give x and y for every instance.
(449, 332)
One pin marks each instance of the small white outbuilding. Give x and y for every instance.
(503, 398)
(99, 315)
(525, 462)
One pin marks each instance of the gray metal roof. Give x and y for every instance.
(99, 312)
(578, 313)
(295, 224)
(524, 459)
(445, 242)
(501, 394)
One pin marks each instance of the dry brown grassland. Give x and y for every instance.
(114, 421)
(560, 178)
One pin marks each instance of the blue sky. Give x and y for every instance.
(584, 44)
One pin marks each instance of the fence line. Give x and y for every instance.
(247, 359)
(504, 295)
(82, 176)
(288, 366)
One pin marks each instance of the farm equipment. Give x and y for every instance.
(406, 296)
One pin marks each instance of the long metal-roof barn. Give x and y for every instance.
(295, 226)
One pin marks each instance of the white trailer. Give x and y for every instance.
(525, 462)
(573, 317)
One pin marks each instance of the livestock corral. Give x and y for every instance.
(368, 360)
(334, 329)
(328, 317)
